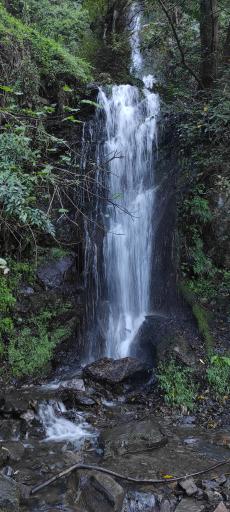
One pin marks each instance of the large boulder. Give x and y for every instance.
(9, 495)
(117, 372)
(96, 492)
(132, 437)
(55, 273)
(162, 337)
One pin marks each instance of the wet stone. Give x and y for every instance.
(140, 502)
(15, 450)
(132, 437)
(166, 506)
(189, 486)
(221, 480)
(4, 456)
(115, 372)
(213, 496)
(210, 485)
(9, 495)
(190, 505)
(99, 492)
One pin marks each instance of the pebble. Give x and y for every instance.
(189, 486)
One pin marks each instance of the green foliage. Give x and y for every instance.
(177, 385)
(51, 57)
(27, 353)
(18, 189)
(218, 375)
(31, 349)
(202, 318)
(7, 300)
(96, 9)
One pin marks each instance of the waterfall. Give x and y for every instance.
(130, 121)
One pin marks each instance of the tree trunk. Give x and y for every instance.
(227, 47)
(209, 41)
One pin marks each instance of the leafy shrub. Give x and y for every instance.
(31, 349)
(218, 375)
(51, 57)
(177, 385)
(28, 353)
(18, 188)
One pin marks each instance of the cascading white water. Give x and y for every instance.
(131, 128)
(59, 429)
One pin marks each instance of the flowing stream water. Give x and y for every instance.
(131, 137)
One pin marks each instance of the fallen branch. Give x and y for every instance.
(87, 467)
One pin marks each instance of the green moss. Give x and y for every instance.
(202, 318)
(58, 252)
(201, 315)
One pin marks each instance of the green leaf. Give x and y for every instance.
(63, 210)
(67, 88)
(6, 88)
(92, 103)
(72, 119)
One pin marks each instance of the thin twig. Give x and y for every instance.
(87, 467)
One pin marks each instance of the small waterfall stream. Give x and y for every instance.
(131, 134)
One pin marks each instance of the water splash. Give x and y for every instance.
(59, 429)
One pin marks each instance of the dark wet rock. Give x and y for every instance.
(55, 273)
(213, 496)
(140, 502)
(9, 495)
(73, 399)
(132, 437)
(227, 485)
(8, 471)
(189, 486)
(221, 480)
(188, 504)
(10, 429)
(161, 337)
(188, 420)
(167, 506)
(73, 384)
(210, 485)
(115, 372)
(4, 456)
(199, 494)
(221, 508)
(13, 407)
(15, 450)
(222, 439)
(97, 492)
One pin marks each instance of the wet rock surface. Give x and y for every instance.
(190, 505)
(132, 437)
(140, 502)
(9, 495)
(98, 492)
(116, 372)
(56, 272)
